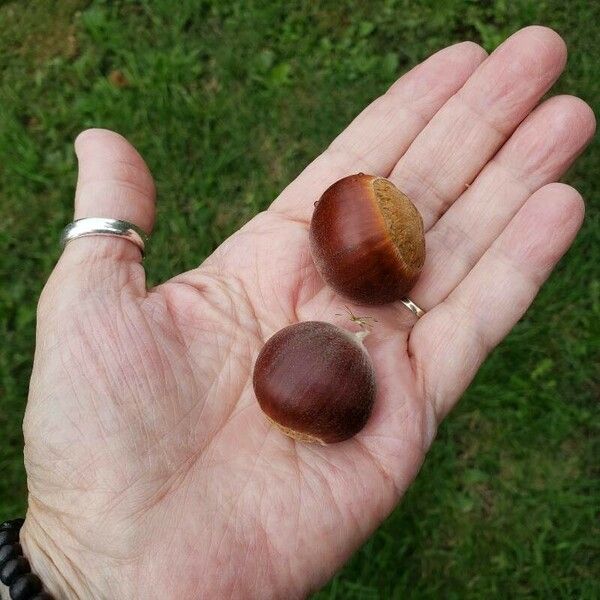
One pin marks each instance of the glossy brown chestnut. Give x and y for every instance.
(316, 382)
(366, 239)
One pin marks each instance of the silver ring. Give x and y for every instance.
(417, 311)
(104, 226)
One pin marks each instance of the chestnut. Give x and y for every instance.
(367, 240)
(316, 382)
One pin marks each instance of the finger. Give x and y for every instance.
(450, 342)
(113, 182)
(476, 121)
(375, 140)
(539, 152)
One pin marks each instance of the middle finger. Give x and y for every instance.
(468, 130)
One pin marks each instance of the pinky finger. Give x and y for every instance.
(452, 341)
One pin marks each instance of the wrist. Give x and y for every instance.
(17, 579)
(69, 569)
(58, 574)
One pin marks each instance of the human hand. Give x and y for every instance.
(151, 470)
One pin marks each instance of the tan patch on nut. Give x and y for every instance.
(403, 222)
(297, 435)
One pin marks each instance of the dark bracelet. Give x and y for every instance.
(14, 567)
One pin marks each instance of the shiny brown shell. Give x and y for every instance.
(316, 382)
(367, 239)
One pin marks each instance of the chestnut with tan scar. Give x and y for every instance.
(367, 240)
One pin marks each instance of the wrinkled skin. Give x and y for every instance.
(152, 472)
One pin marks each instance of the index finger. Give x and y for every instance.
(383, 131)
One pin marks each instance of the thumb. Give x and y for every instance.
(113, 182)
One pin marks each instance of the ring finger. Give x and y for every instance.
(538, 153)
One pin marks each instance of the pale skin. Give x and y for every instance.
(152, 472)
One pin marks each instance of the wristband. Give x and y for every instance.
(14, 567)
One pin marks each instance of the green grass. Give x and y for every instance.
(227, 101)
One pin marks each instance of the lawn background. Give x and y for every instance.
(227, 101)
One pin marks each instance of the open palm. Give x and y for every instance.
(152, 471)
